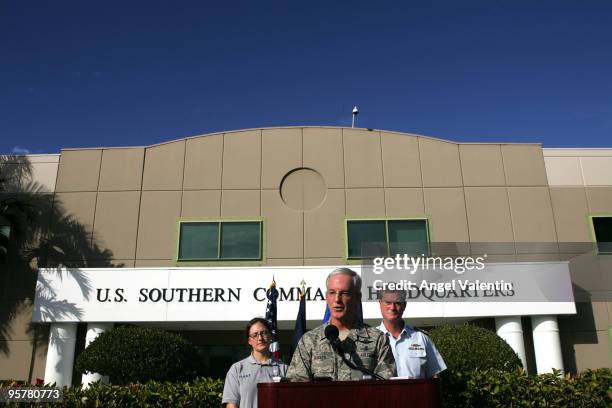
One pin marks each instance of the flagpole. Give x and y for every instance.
(300, 320)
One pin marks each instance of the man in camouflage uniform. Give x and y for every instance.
(363, 345)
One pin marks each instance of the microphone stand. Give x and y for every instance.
(338, 349)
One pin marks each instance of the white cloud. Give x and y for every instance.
(20, 150)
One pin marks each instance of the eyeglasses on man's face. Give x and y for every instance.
(342, 293)
(264, 334)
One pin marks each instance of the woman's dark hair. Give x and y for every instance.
(257, 320)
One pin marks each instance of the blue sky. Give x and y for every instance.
(110, 73)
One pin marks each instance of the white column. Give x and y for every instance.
(93, 331)
(510, 329)
(60, 354)
(546, 343)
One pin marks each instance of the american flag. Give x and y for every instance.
(272, 295)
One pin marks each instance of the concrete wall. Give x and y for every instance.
(305, 182)
(581, 185)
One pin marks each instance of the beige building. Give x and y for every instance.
(287, 199)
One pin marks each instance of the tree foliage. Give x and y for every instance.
(37, 231)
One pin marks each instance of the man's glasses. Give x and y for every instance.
(264, 334)
(342, 293)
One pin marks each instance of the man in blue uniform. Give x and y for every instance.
(415, 354)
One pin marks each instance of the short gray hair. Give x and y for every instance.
(348, 272)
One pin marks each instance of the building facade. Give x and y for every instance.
(221, 214)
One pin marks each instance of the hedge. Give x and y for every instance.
(202, 392)
(131, 354)
(485, 388)
(466, 348)
(494, 388)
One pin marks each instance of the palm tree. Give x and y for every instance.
(20, 204)
(36, 231)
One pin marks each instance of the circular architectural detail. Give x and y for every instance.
(303, 189)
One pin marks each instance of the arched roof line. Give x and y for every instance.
(304, 127)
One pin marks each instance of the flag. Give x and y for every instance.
(272, 295)
(300, 321)
(327, 314)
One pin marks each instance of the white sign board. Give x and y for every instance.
(228, 295)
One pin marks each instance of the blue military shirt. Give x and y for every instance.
(415, 354)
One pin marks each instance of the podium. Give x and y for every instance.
(350, 394)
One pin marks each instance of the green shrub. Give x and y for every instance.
(485, 388)
(494, 388)
(466, 348)
(202, 392)
(138, 354)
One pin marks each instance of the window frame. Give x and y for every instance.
(386, 221)
(220, 223)
(593, 233)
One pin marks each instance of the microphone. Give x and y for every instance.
(331, 334)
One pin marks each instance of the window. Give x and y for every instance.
(219, 240)
(369, 238)
(603, 233)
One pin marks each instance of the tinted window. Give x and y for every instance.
(370, 238)
(408, 237)
(240, 240)
(603, 233)
(220, 240)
